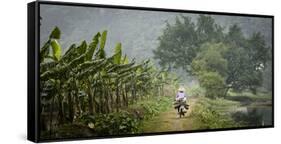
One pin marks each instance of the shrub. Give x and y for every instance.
(117, 123)
(207, 117)
(213, 84)
(196, 91)
(153, 106)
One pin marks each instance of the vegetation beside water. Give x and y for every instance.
(211, 114)
(230, 112)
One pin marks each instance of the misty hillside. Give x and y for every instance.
(136, 30)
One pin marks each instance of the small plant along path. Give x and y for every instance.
(169, 121)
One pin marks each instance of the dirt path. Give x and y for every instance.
(169, 121)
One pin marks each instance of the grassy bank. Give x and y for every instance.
(237, 109)
(212, 113)
(248, 98)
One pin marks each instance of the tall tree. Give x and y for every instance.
(179, 43)
(210, 67)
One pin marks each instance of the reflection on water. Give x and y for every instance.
(253, 115)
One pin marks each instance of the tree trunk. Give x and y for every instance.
(77, 102)
(111, 99)
(225, 92)
(90, 100)
(106, 101)
(126, 94)
(117, 96)
(51, 115)
(134, 94)
(70, 107)
(123, 96)
(61, 113)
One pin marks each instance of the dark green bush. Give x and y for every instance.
(112, 124)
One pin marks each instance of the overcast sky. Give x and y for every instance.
(136, 30)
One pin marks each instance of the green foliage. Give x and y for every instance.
(153, 106)
(118, 54)
(213, 83)
(247, 59)
(210, 67)
(195, 91)
(180, 42)
(126, 121)
(82, 48)
(103, 39)
(177, 44)
(112, 124)
(83, 82)
(208, 30)
(92, 47)
(235, 36)
(101, 52)
(125, 60)
(55, 34)
(204, 46)
(45, 50)
(56, 49)
(208, 116)
(248, 96)
(211, 58)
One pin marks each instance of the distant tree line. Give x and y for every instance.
(220, 59)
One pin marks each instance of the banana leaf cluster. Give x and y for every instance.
(85, 81)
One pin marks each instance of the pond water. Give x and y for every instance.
(253, 115)
(262, 112)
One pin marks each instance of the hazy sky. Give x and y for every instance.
(136, 30)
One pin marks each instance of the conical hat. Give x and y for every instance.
(181, 89)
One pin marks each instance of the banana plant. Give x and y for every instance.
(84, 81)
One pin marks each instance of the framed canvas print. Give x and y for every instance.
(102, 71)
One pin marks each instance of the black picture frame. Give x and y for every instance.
(33, 118)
